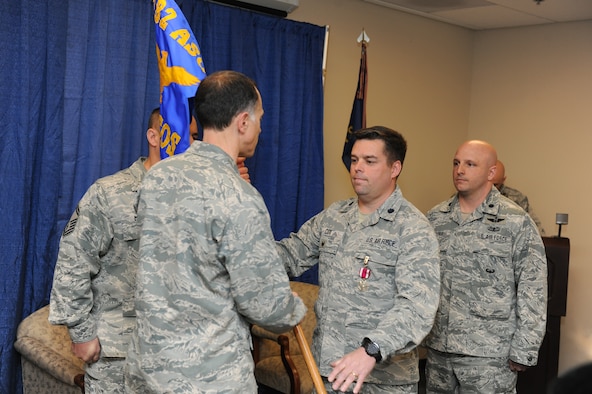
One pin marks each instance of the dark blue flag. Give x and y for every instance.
(357, 119)
(181, 70)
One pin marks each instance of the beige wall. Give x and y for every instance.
(526, 90)
(419, 84)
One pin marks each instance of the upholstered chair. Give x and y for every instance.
(279, 363)
(48, 364)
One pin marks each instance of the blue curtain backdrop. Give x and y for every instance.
(80, 79)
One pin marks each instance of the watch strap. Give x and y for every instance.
(372, 349)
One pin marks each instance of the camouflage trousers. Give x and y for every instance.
(370, 388)
(448, 373)
(105, 376)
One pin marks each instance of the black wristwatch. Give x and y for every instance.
(372, 349)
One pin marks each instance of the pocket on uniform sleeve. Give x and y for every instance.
(131, 231)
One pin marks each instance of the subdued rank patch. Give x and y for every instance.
(72, 223)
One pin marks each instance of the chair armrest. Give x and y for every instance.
(267, 346)
(289, 365)
(79, 381)
(49, 361)
(259, 334)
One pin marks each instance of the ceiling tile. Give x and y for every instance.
(492, 14)
(490, 17)
(556, 10)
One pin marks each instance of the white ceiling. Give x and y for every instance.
(493, 14)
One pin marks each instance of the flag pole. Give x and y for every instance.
(309, 360)
(357, 118)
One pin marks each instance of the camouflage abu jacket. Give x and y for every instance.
(93, 284)
(522, 200)
(396, 310)
(208, 268)
(494, 281)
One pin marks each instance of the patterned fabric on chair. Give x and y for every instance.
(49, 366)
(279, 363)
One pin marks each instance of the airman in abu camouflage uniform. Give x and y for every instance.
(94, 277)
(378, 274)
(208, 264)
(515, 195)
(492, 313)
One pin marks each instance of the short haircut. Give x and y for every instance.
(153, 120)
(223, 95)
(395, 146)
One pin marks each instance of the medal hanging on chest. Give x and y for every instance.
(364, 275)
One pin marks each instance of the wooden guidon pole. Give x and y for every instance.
(317, 381)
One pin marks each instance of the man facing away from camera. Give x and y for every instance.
(208, 264)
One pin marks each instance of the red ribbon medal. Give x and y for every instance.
(364, 274)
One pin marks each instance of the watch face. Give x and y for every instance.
(372, 348)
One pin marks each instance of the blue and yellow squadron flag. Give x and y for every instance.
(181, 70)
(357, 118)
